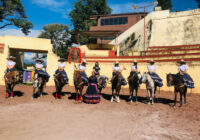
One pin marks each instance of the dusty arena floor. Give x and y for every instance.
(23, 118)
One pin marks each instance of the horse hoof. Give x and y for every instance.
(152, 103)
(149, 103)
(131, 101)
(118, 100)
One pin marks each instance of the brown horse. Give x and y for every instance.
(116, 86)
(177, 82)
(79, 85)
(59, 84)
(11, 79)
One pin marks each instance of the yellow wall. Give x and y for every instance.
(28, 44)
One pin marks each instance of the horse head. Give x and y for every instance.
(139, 77)
(170, 79)
(77, 78)
(102, 81)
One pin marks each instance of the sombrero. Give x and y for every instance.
(11, 58)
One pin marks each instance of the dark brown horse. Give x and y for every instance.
(79, 85)
(177, 82)
(59, 84)
(11, 79)
(116, 86)
(134, 81)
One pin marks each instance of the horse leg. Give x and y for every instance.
(112, 96)
(76, 96)
(152, 96)
(130, 94)
(80, 97)
(175, 95)
(185, 96)
(181, 94)
(136, 92)
(118, 100)
(149, 92)
(11, 90)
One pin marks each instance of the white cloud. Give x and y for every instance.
(127, 7)
(18, 32)
(49, 3)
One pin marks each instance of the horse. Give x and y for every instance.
(59, 84)
(38, 83)
(177, 82)
(79, 85)
(102, 82)
(116, 85)
(134, 81)
(11, 79)
(150, 86)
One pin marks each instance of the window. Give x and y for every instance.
(114, 21)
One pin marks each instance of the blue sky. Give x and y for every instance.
(42, 12)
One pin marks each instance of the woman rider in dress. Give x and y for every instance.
(182, 68)
(152, 71)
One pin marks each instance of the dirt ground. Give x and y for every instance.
(24, 118)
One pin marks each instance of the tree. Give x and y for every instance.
(12, 13)
(83, 10)
(198, 1)
(60, 38)
(165, 4)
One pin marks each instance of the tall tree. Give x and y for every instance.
(12, 13)
(165, 4)
(83, 10)
(198, 1)
(60, 38)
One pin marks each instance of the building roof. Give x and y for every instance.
(98, 34)
(121, 14)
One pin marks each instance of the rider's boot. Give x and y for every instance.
(11, 95)
(76, 98)
(6, 95)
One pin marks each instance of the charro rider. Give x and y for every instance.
(38, 69)
(61, 69)
(182, 68)
(96, 69)
(82, 68)
(152, 71)
(11, 64)
(117, 68)
(134, 68)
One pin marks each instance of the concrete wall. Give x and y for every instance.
(179, 28)
(167, 29)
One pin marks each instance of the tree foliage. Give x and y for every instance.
(198, 1)
(12, 13)
(60, 38)
(165, 4)
(83, 10)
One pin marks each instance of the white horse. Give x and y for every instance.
(38, 83)
(150, 86)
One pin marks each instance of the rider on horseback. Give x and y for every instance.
(134, 68)
(11, 64)
(188, 81)
(82, 68)
(61, 67)
(38, 69)
(96, 69)
(116, 68)
(151, 70)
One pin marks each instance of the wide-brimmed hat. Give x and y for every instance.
(84, 62)
(116, 62)
(151, 61)
(11, 58)
(135, 61)
(181, 61)
(62, 60)
(39, 60)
